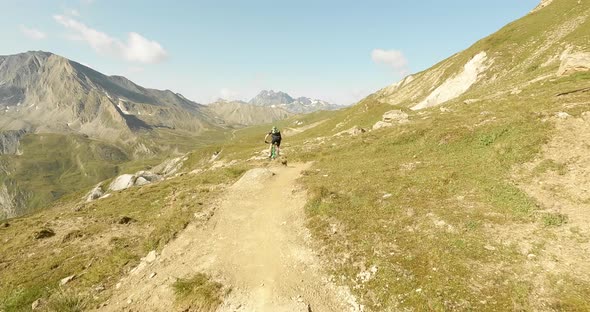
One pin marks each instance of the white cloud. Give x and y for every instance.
(136, 49)
(32, 33)
(391, 58)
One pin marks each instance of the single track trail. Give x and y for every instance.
(256, 244)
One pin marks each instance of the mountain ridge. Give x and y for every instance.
(300, 105)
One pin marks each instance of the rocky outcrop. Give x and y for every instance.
(96, 193)
(170, 167)
(542, 5)
(140, 178)
(9, 141)
(573, 63)
(459, 84)
(392, 118)
(7, 205)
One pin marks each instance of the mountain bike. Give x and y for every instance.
(273, 151)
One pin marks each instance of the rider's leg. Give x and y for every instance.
(270, 150)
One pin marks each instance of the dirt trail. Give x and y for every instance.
(256, 243)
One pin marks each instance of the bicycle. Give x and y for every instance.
(273, 151)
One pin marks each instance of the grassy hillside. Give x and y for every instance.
(435, 214)
(54, 165)
(97, 242)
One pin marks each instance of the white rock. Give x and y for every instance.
(386, 196)
(395, 116)
(459, 84)
(563, 115)
(574, 62)
(95, 193)
(141, 181)
(490, 248)
(66, 280)
(35, 304)
(151, 257)
(122, 182)
(381, 124)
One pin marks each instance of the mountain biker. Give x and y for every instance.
(276, 140)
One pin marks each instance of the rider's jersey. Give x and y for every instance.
(275, 135)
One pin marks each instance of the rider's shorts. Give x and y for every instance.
(277, 141)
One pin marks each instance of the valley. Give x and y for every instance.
(462, 187)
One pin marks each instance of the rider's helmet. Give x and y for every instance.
(274, 129)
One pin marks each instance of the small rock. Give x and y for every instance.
(130, 301)
(44, 233)
(125, 220)
(262, 285)
(66, 280)
(99, 288)
(386, 196)
(531, 256)
(563, 115)
(419, 290)
(490, 248)
(153, 275)
(151, 257)
(35, 304)
(118, 285)
(4, 225)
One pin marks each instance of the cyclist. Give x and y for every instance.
(276, 140)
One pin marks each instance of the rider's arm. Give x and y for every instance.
(266, 137)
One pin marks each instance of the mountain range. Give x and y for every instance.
(459, 188)
(300, 105)
(103, 122)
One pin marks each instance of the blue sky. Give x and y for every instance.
(339, 51)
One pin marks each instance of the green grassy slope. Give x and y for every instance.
(92, 242)
(429, 206)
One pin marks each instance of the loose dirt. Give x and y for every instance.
(256, 244)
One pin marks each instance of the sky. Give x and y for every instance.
(339, 51)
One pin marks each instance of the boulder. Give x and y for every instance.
(573, 63)
(66, 280)
(170, 167)
(148, 175)
(151, 257)
(122, 182)
(141, 181)
(44, 233)
(95, 193)
(395, 116)
(381, 124)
